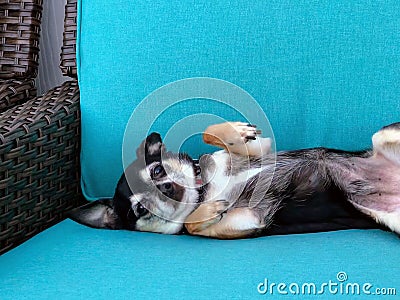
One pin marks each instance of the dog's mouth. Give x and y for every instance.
(199, 181)
(197, 171)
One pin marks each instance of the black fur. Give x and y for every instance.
(322, 211)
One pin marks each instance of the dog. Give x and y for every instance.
(245, 190)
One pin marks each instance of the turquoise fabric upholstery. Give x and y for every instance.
(326, 73)
(70, 261)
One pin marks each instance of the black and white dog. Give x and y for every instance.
(244, 190)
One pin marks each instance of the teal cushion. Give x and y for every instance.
(326, 73)
(70, 261)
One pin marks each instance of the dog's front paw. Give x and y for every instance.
(206, 215)
(242, 133)
(245, 141)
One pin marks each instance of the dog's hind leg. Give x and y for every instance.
(382, 177)
(386, 142)
(211, 220)
(389, 219)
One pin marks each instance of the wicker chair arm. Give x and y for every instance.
(15, 91)
(39, 164)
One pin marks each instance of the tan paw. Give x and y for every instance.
(206, 215)
(241, 133)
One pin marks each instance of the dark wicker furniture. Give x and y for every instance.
(39, 139)
(19, 50)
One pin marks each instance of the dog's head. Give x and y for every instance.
(156, 193)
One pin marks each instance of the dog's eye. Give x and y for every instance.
(158, 172)
(141, 210)
(166, 188)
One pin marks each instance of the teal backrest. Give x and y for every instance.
(326, 73)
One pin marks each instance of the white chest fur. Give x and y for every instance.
(221, 182)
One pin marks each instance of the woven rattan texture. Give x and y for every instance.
(39, 164)
(13, 92)
(68, 53)
(19, 38)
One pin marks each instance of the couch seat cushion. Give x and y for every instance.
(70, 261)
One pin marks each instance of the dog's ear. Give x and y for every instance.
(151, 148)
(97, 214)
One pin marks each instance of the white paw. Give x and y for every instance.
(387, 142)
(386, 136)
